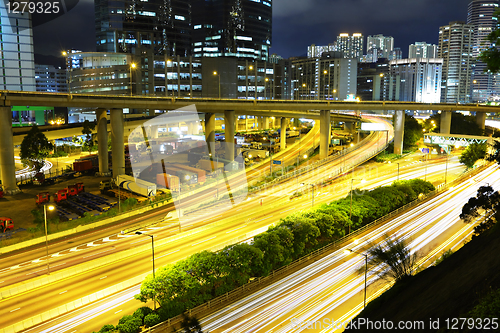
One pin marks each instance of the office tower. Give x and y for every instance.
(241, 28)
(328, 77)
(351, 46)
(16, 42)
(372, 80)
(415, 80)
(422, 50)
(314, 51)
(455, 48)
(383, 44)
(130, 26)
(480, 17)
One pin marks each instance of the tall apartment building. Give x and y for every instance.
(422, 50)
(351, 46)
(239, 28)
(16, 42)
(480, 17)
(383, 44)
(51, 79)
(415, 80)
(455, 48)
(329, 77)
(316, 51)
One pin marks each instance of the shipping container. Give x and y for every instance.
(82, 166)
(210, 166)
(201, 173)
(167, 181)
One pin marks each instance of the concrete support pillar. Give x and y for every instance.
(229, 134)
(210, 131)
(196, 128)
(255, 122)
(445, 122)
(266, 123)
(102, 139)
(349, 126)
(154, 131)
(481, 119)
(117, 142)
(7, 163)
(246, 123)
(399, 125)
(324, 138)
(151, 112)
(190, 128)
(261, 122)
(283, 134)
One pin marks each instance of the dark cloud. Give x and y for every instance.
(299, 23)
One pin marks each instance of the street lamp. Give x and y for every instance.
(446, 170)
(132, 66)
(349, 251)
(65, 54)
(45, 207)
(350, 211)
(312, 197)
(153, 251)
(215, 73)
(304, 89)
(266, 80)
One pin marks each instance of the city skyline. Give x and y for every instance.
(314, 22)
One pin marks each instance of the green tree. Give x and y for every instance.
(473, 153)
(412, 131)
(487, 200)
(35, 148)
(151, 320)
(190, 324)
(392, 259)
(87, 129)
(129, 324)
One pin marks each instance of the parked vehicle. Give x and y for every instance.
(137, 186)
(6, 224)
(42, 197)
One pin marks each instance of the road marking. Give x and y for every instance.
(106, 239)
(142, 240)
(118, 311)
(259, 220)
(90, 255)
(166, 254)
(62, 292)
(36, 261)
(14, 267)
(15, 309)
(74, 249)
(92, 244)
(103, 277)
(236, 229)
(203, 241)
(124, 236)
(55, 255)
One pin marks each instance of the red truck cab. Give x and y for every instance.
(42, 197)
(6, 224)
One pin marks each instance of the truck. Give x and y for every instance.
(6, 224)
(210, 166)
(167, 181)
(137, 186)
(292, 134)
(255, 153)
(202, 175)
(185, 176)
(42, 197)
(256, 145)
(82, 165)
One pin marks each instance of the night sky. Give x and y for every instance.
(296, 23)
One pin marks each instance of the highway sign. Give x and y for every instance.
(425, 150)
(276, 162)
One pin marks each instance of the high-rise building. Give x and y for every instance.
(351, 46)
(422, 50)
(455, 48)
(128, 26)
(383, 44)
(51, 79)
(480, 16)
(329, 77)
(16, 42)
(372, 80)
(415, 80)
(240, 28)
(316, 51)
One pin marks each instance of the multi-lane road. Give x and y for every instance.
(237, 222)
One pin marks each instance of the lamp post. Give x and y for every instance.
(383, 86)
(348, 251)
(218, 74)
(303, 89)
(446, 170)
(335, 92)
(216, 172)
(45, 207)
(153, 251)
(350, 210)
(65, 54)
(398, 171)
(169, 62)
(266, 80)
(132, 66)
(312, 197)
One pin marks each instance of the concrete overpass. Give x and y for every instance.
(314, 109)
